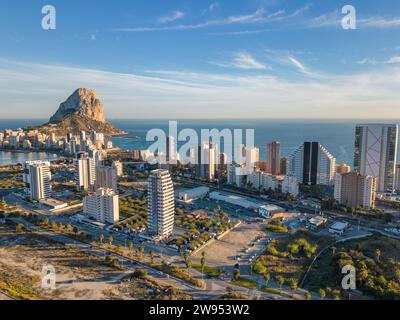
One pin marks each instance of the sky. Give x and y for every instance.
(203, 59)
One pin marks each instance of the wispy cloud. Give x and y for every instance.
(212, 7)
(243, 60)
(379, 22)
(260, 16)
(297, 64)
(167, 93)
(176, 15)
(373, 61)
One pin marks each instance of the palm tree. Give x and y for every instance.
(236, 274)
(280, 281)
(141, 250)
(110, 240)
(101, 237)
(151, 257)
(130, 246)
(294, 284)
(203, 261)
(322, 294)
(267, 278)
(307, 295)
(378, 255)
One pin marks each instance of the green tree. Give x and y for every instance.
(20, 228)
(140, 273)
(307, 295)
(46, 221)
(322, 294)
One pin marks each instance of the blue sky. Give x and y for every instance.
(203, 59)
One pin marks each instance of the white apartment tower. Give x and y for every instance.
(103, 206)
(375, 153)
(85, 172)
(161, 204)
(37, 176)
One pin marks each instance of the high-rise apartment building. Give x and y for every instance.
(274, 158)
(283, 166)
(161, 204)
(355, 190)
(37, 177)
(397, 179)
(206, 161)
(312, 164)
(103, 206)
(375, 153)
(85, 172)
(106, 177)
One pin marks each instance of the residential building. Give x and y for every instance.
(375, 153)
(206, 161)
(355, 190)
(312, 164)
(343, 168)
(397, 180)
(290, 185)
(106, 177)
(103, 206)
(283, 166)
(119, 167)
(37, 177)
(161, 204)
(85, 172)
(274, 158)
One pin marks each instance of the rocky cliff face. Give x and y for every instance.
(82, 111)
(83, 102)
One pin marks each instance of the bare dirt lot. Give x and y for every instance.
(78, 275)
(223, 252)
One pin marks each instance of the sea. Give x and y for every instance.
(335, 135)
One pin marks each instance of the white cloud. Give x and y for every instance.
(394, 60)
(242, 60)
(379, 22)
(298, 64)
(34, 90)
(176, 15)
(257, 17)
(93, 37)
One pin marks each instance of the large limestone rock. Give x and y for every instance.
(83, 102)
(82, 111)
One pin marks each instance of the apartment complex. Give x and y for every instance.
(85, 172)
(312, 164)
(103, 206)
(37, 177)
(355, 190)
(106, 177)
(161, 204)
(274, 158)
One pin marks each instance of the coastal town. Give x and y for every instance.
(134, 224)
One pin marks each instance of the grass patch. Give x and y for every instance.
(282, 293)
(209, 271)
(244, 282)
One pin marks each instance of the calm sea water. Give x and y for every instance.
(337, 136)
